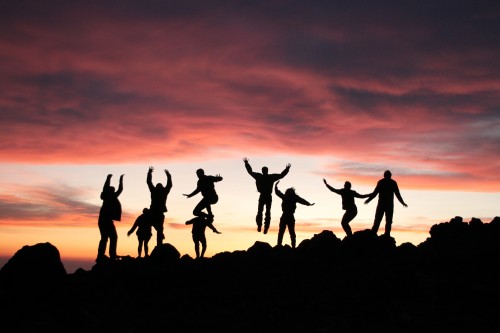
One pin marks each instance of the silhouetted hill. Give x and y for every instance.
(364, 283)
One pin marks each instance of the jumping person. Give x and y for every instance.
(206, 186)
(288, 206)
(158, 206)
(386, 189)
(264, 182)
(348, 204)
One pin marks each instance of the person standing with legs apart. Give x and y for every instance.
(386, 189)
(288, 206)
(111, 210)
(348, 204)
(265, 182)
(158, 207)
(199, 225)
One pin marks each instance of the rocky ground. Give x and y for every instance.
(449, 283)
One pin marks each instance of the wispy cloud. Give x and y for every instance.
(389, 83)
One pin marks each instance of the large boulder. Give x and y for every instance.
(39, 262)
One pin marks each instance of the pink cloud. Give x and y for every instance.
(128, 88)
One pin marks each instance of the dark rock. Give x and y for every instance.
(39, 262)
(165, 254)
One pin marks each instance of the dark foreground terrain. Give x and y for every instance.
(449, 283)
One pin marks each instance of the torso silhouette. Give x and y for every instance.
(111, 207)
(386, 188)
(348, 196)
(265, 183)
(159, 199)
(289, 204)
(206, 186)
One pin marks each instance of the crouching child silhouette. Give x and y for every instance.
(199, 225)
(288, 206)
(143, 225)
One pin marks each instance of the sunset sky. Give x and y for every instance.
(342, 90)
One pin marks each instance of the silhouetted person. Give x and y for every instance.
(348, 204)
(158, 205)
(206, 186)
(199, 225)
(265, 182)
(386, 189)
(288, 206)
(143, 226)
(111, 210)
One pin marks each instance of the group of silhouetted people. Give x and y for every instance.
(154, 216)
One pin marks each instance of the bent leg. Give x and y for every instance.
(349, 215)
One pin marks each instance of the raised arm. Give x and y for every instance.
(107, 183)
(106, 186)
(249, 168)
(330, 188)
(285, 171)
(277, 191)
(120, 186)
(168, 186)
(149, 178)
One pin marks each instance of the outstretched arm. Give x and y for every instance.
(149, 178)
(133, 227)
(217, 178)
(372, 195)
(304, 201)
(330, 188)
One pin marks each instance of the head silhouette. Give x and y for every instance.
(159, 186)
(290, 192)
(347, 185)
(265, 170)
(387, 174)
(200, 173)
(112, 189)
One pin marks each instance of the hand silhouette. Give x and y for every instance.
(151, 169)
(311, 204)
(288, 166)
(245, 159)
